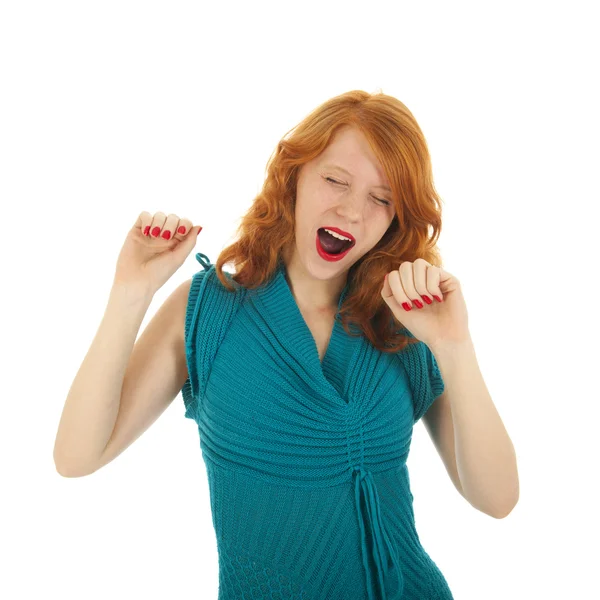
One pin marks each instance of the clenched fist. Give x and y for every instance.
(155, 247)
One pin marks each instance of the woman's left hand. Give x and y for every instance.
(438, 323)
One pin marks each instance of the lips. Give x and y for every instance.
(330, 257)
(341, 232)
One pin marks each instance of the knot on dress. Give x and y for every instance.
(203, 260)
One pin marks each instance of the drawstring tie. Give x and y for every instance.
(383, 552)
(203, 260)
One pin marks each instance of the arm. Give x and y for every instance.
(438, 424)
(485, 457)
(121, 389)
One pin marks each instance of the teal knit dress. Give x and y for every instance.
(306, 460)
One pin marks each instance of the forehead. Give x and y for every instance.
(350, 152)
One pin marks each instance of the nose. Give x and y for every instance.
(352, 207)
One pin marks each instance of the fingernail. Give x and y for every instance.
(418, 304)
(156, 231)
(406, 306)
(166, 234)
(426, 298)
(147, 230)
(438, 298)
(199, 230)
(181, 230)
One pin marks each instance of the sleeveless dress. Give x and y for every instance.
(306, 461)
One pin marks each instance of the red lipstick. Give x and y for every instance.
(340, 231)
(331, 257)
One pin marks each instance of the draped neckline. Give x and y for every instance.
(328, 374)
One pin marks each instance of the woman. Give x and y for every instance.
(307, 369)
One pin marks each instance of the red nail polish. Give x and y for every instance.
(156, 231)
(418, 303)
(426, 298)
(181, 230)
(167, 234)
(199, 230)
(438, 298)
(406, 306)
(147, 230)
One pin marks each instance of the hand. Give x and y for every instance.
(437, 323)
(147, 261)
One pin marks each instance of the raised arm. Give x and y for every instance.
(122, 386)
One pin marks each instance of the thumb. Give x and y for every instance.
(187, 245)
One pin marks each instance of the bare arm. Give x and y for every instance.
(121, 389)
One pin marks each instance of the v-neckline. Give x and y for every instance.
(277, 297)
(281, 273)
(331, 331)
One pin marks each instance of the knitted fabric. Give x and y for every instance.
(306, 460)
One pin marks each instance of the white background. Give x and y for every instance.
(110, 108)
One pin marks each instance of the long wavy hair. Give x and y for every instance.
(267, 231)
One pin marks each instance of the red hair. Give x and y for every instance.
(267, 230)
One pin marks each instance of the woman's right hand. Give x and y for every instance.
(147, 260)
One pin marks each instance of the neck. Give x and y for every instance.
(312, 295)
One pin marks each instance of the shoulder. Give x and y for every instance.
(199, 298)
(205, 293)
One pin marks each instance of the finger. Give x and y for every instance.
(399, 299)
(157, 224)
(169, 228)
(183, 229)
(433, 282)
(143, 222)
(407, 278)
(423, 277)
(184, 248)
(190, 239)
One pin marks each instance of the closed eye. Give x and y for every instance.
(384, 202)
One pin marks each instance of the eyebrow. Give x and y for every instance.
(383, 187)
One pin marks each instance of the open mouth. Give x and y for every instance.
(332, 244)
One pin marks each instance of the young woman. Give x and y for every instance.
(307, 369)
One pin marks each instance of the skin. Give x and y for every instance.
(354, 205)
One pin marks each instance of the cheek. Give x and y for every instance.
(374, 236)
(314, 205)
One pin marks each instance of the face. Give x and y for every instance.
(343, 187)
